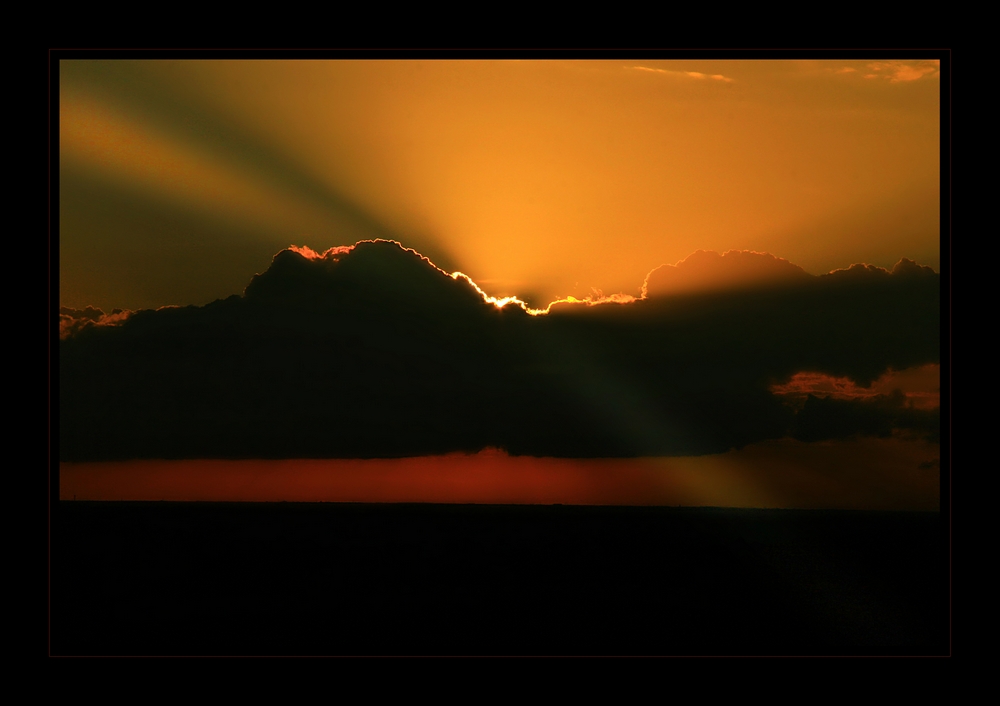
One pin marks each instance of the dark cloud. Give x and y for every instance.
(905, 268)
(372, 351)
(821, 419)
(72, 321)
(908, 268)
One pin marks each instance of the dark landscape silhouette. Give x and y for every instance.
(398, 579)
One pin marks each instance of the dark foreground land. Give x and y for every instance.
(136, 578)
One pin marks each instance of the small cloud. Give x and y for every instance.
(897, 71)
(690, 74)
(911, 73)
(908, 268)
(858, 271)
(846, 70)
(863, 271)
(915, 388)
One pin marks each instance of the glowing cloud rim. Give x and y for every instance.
(596, 298)
(75, 320)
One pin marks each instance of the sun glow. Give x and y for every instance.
(597, 297)
(499, 302)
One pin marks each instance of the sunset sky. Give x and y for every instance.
(180, 180)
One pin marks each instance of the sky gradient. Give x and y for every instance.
(543, 179)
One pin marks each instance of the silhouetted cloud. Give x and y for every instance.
(908, 268)
(373, 351)
(709, 270)
(904, 268)
(824, 418)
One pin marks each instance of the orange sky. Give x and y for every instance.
(180, 179)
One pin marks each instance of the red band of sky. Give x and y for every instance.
(869, 474)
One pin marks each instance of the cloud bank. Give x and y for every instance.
(372, 351)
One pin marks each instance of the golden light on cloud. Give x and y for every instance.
(596, 298)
